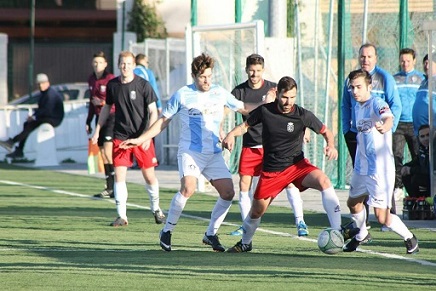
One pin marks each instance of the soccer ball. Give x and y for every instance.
(330, 241)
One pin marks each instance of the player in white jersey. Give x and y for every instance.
(201, 108)
(374, 169)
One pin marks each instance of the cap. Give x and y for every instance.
(40, 78)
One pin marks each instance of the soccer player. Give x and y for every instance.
(201, 107)
(374, 169)
(283, 127)
(254, 91)
(408, 81)
(383, 87)
(135, 111)
(97, 83)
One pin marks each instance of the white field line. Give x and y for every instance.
(278, 233)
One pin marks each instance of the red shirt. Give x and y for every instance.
(97, 89)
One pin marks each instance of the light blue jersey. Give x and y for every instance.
(374, 154)
(201, 114)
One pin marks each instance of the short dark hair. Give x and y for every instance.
(285, 84)
(100, 54)
(425, 58)
(423, 127)
(358, 74)
(201, 63)
(139, 57)
(254, 59)
(408, 51)
(367, 45)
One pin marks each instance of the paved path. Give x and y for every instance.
(169, 178)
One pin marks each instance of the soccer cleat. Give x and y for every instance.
(237, 232)
(165, 240)
(17, 154)
(159, 217)
(352, 245)
(7, 144)
(302, 229)
(214, 242)
(412, 245)
(105, 194)
(349, 231)
(384, 228)
(119, 222)
(239, 247)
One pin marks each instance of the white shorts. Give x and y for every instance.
(212, 166)
(380, 189)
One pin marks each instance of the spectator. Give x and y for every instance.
(408, 81)
(142, 70)
(50, 110)
(416, 173)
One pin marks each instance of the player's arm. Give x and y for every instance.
(229, 140)
(330, 150)
(386, 124)
(152, 131)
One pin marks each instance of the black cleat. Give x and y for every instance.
(349, 231)
(352, 245)
(412, 245)
(239, 247)
(17, 154)
(105, 194)
(159, 217)
(214, 242)
(165, 240)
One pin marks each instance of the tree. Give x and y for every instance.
(145, 22)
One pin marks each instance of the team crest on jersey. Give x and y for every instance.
(364, 125)
(290, 127)
(133, 95)
(102, 88)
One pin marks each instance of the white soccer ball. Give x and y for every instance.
(330, 241)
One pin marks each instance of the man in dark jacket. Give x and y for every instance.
(416, 173)
(50, 110)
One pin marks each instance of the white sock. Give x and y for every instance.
(218, 214)
(254, 182)
(249, 226)
(296, 202)
(398, 226)
(153, 194)
(244, 204)
(331, 205)
(360, 221)
(121, 195)
(176, 207)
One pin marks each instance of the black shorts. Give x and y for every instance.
(107, 130)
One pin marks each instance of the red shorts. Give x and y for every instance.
(124, 157)
(250, 162)
(272, 183)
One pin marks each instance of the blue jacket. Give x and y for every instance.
(420, 108)
(148, 75)
(408, 84)
(383, 86)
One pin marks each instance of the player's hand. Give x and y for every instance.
(130, 143)
(97, 101)
(331, 153)
(94, 138)
(380, 127)
(145, 145)
(229, 142)
(271, 95)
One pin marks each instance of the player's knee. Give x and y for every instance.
(227, 194)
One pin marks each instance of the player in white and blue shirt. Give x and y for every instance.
(374, 169)
(201, 110)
